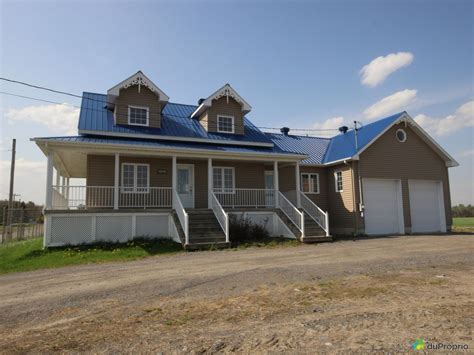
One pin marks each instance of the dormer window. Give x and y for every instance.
(138, 116)
(225, 124)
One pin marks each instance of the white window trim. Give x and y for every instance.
(311, 186)
(124, 189)
(147, 115)
(335, 180)
(223, 191)
(233, 123)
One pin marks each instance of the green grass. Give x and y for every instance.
(463, 221)
(30, 255)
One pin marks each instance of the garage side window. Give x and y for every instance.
(338, 180)
(310, 183)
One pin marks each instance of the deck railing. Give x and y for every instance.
(83, 197)
(295, 215)
(316, 213)
(182, 215)
(235, 198)
(220, 214)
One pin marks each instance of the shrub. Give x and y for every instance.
(244, 230)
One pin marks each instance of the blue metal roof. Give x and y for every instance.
(313, 146)
(343, 145)
(151, 143)
(176, 122)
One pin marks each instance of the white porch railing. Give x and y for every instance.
(182, 215)
(316, 213)
(220, 214)
(83, 197)
(263, 198)
(295, 215)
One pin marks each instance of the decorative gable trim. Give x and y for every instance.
(139, 79)
(225, 91)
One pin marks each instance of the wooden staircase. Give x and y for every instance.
(204, 230)
(313, 231)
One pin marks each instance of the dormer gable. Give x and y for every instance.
(137, 101)
(223, 111)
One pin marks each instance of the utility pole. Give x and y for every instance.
(12, 178)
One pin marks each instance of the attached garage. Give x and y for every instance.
(383, 206)
(426, 206)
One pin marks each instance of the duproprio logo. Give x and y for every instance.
(419, 344)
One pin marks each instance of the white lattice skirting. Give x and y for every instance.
(74, 229)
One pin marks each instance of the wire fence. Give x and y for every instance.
(21, 224)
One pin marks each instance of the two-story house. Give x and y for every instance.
(154, 168)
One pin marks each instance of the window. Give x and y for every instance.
(138, 115)
(401, 135)
(338, 180)
(135, 178)
(310, 183)
(223, 179)
(225, 124)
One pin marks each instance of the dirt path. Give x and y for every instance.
(376, 294)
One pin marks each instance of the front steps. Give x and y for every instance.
(204, 230)
(313, 232)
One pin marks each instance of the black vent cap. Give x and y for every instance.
(285, 130)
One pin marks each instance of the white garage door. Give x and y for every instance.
(383, 206)
(426, 206)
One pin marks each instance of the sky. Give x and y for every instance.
(301, 64)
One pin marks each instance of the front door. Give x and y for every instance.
(186, 184)
(269, 186)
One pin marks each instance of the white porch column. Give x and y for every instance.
(209, 182)
(63, 185)
(275, 182)
(298, 188)
(58, 179)
(49, 182)
(174, 174)
(116, 181)
(67, 188)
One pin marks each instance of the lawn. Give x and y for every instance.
(463, 224)
(30, 255)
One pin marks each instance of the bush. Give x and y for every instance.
(243, 230)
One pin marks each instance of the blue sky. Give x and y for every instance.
(297, 63)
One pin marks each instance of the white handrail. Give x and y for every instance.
(294, 214)
(220, 214)
(182, 215)
(316, 213)
(240, 197)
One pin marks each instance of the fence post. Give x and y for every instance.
(20, 233)
(4, 223)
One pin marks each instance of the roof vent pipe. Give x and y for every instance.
(285, 130)
(343, 129)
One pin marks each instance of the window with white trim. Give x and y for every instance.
(310, 183)
(135, 178)
(223, 179)
(225, 124)
(138, 116)
(338, 180)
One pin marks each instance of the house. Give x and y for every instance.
(154, 168)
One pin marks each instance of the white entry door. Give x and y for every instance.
(269, 186)
(426, 206)
(186, 184)
(383, 206)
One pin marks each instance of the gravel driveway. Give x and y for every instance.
(280, 299)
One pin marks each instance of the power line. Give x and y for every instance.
(107, 102)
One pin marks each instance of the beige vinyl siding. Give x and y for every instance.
(144, 98)
(340, 204)
(222, 107)
(387, 158)
(321, 198)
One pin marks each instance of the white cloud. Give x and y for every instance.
(330, 126)
(380, 68)
(30, 179)
(463, 117)
(391, 104)
(57, 118)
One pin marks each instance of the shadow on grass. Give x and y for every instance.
(148, 246)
